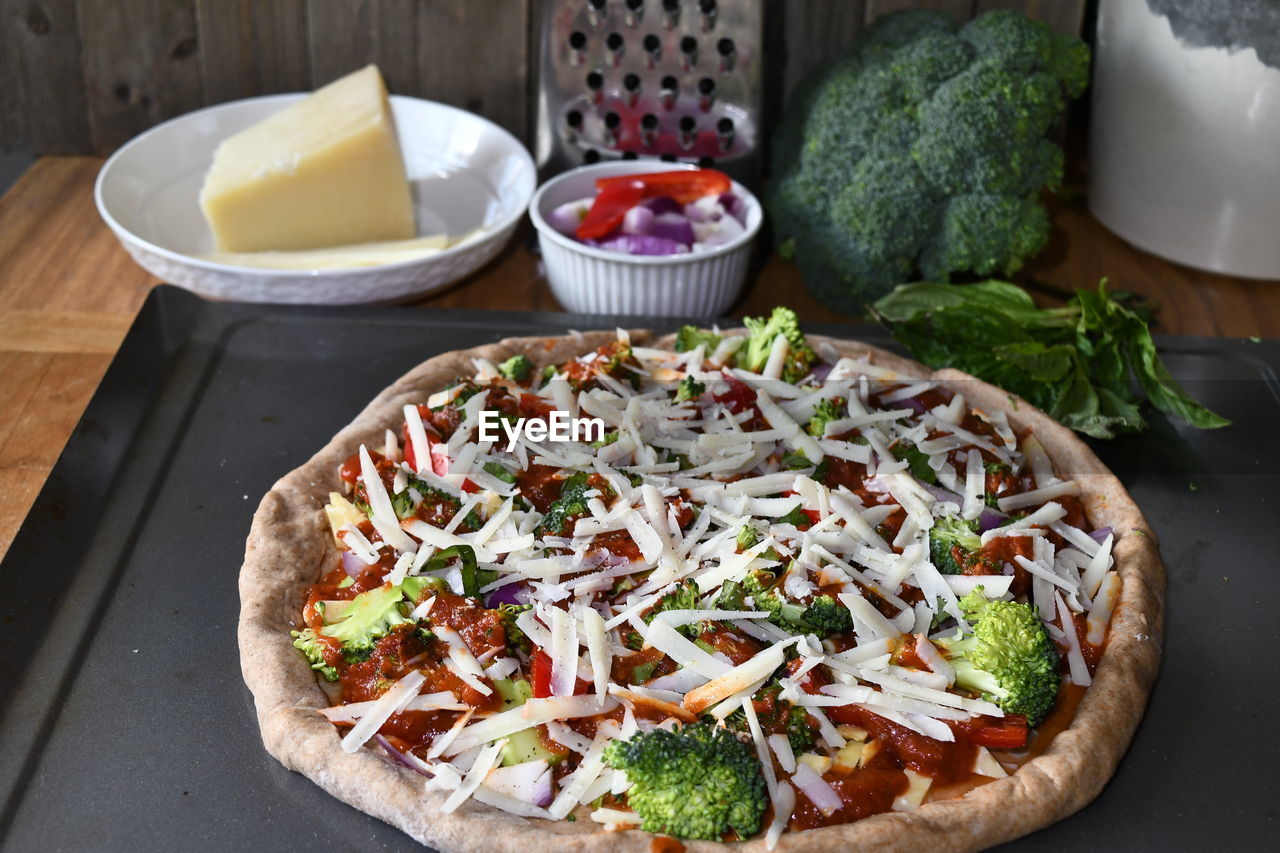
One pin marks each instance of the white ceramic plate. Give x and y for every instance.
(465, 173)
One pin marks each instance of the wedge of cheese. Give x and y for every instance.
(325, 171)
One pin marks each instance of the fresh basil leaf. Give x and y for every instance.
(1123, 412)
(1077, 362)
(1041, 363)
(1161, 388)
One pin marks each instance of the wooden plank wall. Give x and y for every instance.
(79, 76)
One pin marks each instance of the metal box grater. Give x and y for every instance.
(652, 79)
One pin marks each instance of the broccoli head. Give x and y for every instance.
(823, 616)
(691, 337)
(518, 368)
(754, 354)
(370, 615)
(516, 638)
(314, 645)
(776, 716)
(571, 504)
(1008, 658)
(953, 542)
(683, 597)
(923, 151)
(689, 389)
(826, 411)
(696, 781)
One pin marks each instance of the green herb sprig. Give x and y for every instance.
(1077, 362)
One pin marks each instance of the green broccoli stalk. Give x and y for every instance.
(826, 411)
(689, 389)
(923, 150)
(690, 337)
(518, 368)
(953, 543)
(697, 781)
(1008, 658)
(754, 354)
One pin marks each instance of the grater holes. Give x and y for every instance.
(634, 12)
(670, 14)
(708, 10)
(615, 45)
(688, 53)
(631, 85)
(649, 89)
(577, 48)
(595, 87)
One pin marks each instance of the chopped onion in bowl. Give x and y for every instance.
(656, 224)
(569, 215)
(672, 226)
(663, 204)
(639, 220)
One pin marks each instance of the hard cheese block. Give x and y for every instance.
(325, 171)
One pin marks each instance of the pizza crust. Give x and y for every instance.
(289, 547)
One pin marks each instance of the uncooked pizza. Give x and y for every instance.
(734, 587)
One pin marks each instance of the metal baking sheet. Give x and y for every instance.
(124, 722)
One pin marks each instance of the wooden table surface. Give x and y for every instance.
(68, 294)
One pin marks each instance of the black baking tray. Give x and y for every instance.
(124, 722)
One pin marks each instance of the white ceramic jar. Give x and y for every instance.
(1184, 147)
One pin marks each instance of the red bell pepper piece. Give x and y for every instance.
(540, 674)
(610, 206)
(685, 185)
(1008, 732)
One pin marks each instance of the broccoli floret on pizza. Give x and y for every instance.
(357, 627)
(953, 543)
(776, 716)
(571, 504)
(754, 354)
(683, 597)
(1008, 657)
(518, 368)
(826, 411)
(823, 615)
(314, 646)
(691, 337)
(695, 781)
(689, 389)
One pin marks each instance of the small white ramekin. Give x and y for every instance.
(595, 281)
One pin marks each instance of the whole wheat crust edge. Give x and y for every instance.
(289, 547)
